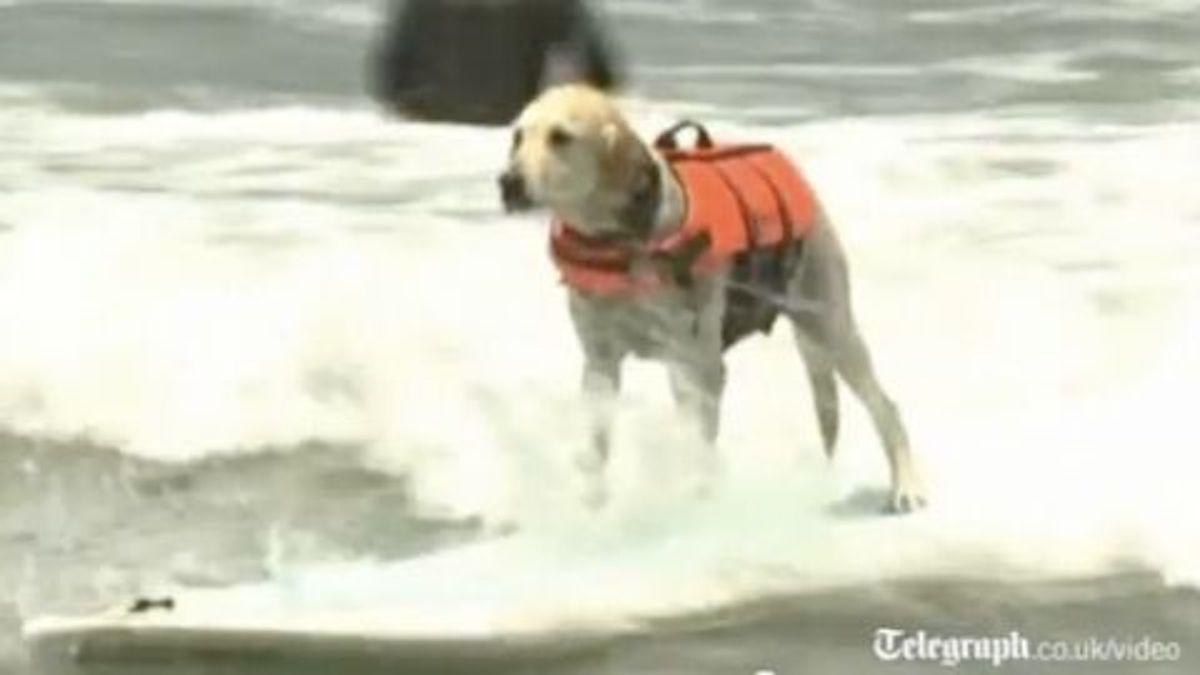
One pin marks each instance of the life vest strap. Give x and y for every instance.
(681, 258)
(667, 139)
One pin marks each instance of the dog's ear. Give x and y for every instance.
(631, 177)
(625, 159)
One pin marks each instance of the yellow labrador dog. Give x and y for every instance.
(638, 286)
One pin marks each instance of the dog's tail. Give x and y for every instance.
(825, 397)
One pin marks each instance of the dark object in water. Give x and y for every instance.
(481, 61)
(143, 605)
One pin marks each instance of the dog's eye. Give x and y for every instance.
(559, 137)
(516, 139)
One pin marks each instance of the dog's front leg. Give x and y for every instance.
(697, 384)
(602, 355)
(601, 384)
(697, 368)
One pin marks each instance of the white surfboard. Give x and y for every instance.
(442, 613)
(163, 643)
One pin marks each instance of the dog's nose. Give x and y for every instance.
(513, 191)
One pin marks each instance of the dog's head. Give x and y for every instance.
(575, 154)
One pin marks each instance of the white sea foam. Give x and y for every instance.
(1044, 67)
(1119, 10)
(683, 11)
(1027, 286)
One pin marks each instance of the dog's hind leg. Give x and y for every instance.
(853, 363)
(829, 339)
(822, 379)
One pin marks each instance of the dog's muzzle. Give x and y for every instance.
(513, 192)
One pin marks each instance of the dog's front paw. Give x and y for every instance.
(906, 497)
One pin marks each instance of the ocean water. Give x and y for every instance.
(251, 328)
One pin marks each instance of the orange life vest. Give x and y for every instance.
(739, 198)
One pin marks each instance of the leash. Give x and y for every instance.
(779, 300)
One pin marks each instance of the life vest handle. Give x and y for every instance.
(668, 140)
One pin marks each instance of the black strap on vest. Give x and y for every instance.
(668, 140)
(676, 265)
